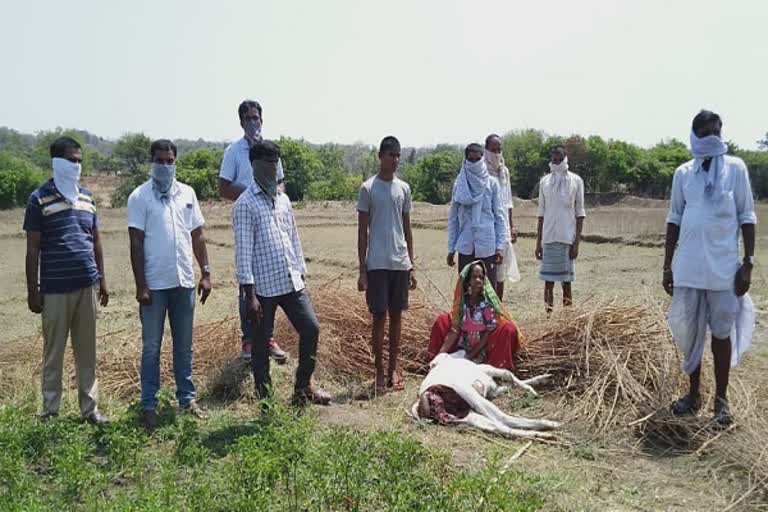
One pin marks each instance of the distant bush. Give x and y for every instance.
(338, 187)
(18, 179)
(120, 195)
(204, 181)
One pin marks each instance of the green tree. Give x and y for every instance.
(437, 172)
(412, 175)
(332, 158)
(201, 159)
(763, 143)
(301, 165)
(132, 149)
(526, 156)
(19, 177)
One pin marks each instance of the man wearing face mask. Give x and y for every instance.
(236, 175)
(270, 270)
(477, 228)
(558, 233)
(165, 226)
(494, 161)
(711, 202)
(64, 250)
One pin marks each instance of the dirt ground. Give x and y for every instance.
(622, 257)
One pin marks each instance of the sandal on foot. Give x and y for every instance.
(722, 412)
(688, 405)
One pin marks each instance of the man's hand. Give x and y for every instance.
(668, 283)
(499, 257)
(412, 283)
(513, 236)
(144, 296)
(538, 252)
(574, 252)
(450, 259)
(253, 309)
(103, 293)
(35, 301)
(362, 282)
(743, 279)
(204, 287)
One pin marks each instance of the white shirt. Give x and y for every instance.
(485, 238)
(236, 165)
(268, 251)
(167, 225)
(707, 255)
(560, 210)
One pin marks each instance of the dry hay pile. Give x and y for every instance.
(345, 352)
(215, 345)
(609, 360)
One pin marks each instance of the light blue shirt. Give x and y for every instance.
(707, 255)
(490, 233)
(236, 165)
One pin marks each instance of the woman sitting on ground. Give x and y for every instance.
(477, 324)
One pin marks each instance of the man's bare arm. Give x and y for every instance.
(32, 267)
(229, 190)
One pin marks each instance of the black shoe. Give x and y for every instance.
(688, 405)
(96, 418)
(149, 420)
(722, 412)
(45, 417)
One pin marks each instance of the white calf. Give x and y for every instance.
(475, 384)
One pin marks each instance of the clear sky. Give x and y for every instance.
(356, 70)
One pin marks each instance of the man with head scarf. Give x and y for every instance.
(270, 270)
(711, 202)
(165, 226)
(477, 228)
(558, 233)
(494, 161)
(235, 176)
(65, 274)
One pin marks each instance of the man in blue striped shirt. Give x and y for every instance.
(64, 250)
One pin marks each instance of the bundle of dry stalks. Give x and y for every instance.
(609, 360)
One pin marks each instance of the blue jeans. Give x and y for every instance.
(246, 327)
(180, 305)
(298, 309)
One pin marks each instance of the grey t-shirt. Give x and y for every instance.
(385, 202)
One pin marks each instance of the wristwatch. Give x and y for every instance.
(206, 269)
(750, 260)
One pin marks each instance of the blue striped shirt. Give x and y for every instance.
(67, 259)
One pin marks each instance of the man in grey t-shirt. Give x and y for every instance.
(385, 250)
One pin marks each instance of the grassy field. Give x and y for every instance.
(359, 456)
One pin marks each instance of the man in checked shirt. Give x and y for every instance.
(271, 268)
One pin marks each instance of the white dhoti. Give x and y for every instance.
(727, 316)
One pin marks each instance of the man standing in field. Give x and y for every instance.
(476, 224)
(235, 176)
(711, 201)
(165, 226)
(385, 253)
(558, 233)
(63, 244)
(494, 161)
(271, 269)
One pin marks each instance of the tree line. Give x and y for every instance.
(335, 172)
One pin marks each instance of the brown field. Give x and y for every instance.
(621, 258)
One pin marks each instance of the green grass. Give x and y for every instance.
(281, 461)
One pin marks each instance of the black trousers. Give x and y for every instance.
(298, 309)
